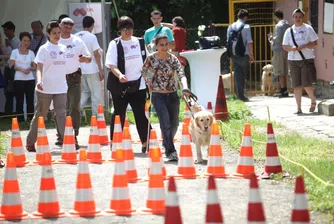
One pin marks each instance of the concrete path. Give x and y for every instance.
(283, 111)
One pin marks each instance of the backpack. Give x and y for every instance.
(113, 83)
(235, 44)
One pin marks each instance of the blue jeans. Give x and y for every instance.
(167, 107)
(241, 70)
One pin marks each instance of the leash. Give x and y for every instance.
(190, 101)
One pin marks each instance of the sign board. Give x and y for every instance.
(77, 11)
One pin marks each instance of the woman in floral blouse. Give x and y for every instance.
(165, 100)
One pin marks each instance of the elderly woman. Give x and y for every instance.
(299, 41)
(165, 100)
(125, 58)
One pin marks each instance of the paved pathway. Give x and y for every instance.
(282, 110)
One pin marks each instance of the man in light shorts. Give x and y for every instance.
(280, 57)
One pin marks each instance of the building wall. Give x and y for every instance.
(325, 50)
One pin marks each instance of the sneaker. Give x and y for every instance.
(30, 146)
(282, 95)
(244, 99)
(172, 157)
(59, 141)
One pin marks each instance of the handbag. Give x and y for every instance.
(121, 88)
(312, 71)
(209, 42)
(9, 74)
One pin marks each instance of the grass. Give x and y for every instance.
(315, 154)
(4, 139)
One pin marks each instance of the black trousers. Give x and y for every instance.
(8, 78)
(27, 89)
(137, 102)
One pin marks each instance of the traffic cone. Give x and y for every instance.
(155, 203)
(245, 161)
(17, 146)
(69, 154)
(221, 112)
(48, 204)
(255, 208)
(186, 167)
(94, 154)
(153, 143)
(101, 125)
(84, 204)
(300, 212)
(216, 165)
(172, 212)
(11, 205)
(213, 210)
(42, 145)
(120, 202)
(186, 115)
(273, 163)
(209, 107)
(129, 158)
(117, 137)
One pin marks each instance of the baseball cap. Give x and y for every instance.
(9, 25)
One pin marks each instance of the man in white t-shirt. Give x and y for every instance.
(76, 53)
(92, 73)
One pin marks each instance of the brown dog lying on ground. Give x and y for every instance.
(200, 129)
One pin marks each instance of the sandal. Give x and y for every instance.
(313, 106)
(299, 111)
(144, 148)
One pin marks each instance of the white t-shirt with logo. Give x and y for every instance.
(74, 47)
(303, 35)
(132, 56)
(92, 45)
(23, 61)
(54, 68)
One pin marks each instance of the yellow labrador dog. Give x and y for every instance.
(200, 129)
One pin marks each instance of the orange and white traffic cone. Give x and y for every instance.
(155, 203)
(172, 212)
(153, 143)
(101, 125)
(186, 115)
(186, 167)
(129, 157)
(245, 166)
(17, 146)
(120, 202)
(273, 163)
(117, 137)
(300, 212)
(48, 204)
(209, 107)
(216, 165)
(42, 145)
(94, 154)
(255, 207)
(213, 210)
(69, 154)
(84, 204)
(11, 205)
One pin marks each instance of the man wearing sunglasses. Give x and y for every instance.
(76, 53)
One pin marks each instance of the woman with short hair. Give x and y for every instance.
(299, 41)
(125, 58)
(24, 81)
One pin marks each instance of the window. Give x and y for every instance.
(314, 14)
(329, 16)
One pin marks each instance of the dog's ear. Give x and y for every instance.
(265, 68)
(197, 121)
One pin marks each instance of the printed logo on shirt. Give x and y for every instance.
(126, 50)
(53, 54)
(81, 34)
(134, 46)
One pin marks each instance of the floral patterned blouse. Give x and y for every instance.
(163, 72)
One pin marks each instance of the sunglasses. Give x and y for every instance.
(68, 23)
(127, 29)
